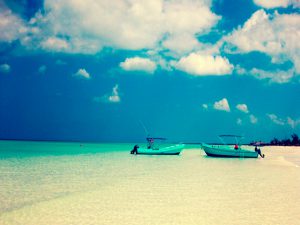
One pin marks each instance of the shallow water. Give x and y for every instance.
(73, 183)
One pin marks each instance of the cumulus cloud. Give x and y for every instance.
(240, 70)
(12, 27)
(42, 69)
(203, 65)
(82, 73)
(55, 44)
(204, 106)
(222, 105)
(279, 76)
(181, 43)
(138, 64)
(253, 119)
(88, 26)
(277, 3)
(275, 119)
(274, 34)
(242, 108)
(5, 68)
(293, 123)
(114, 97)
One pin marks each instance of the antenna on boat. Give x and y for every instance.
(145, 129)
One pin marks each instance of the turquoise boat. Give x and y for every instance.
(233, 151)
(155, 147)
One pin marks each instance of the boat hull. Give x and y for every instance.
(170, 150)
(228, 151)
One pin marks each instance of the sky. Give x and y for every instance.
(119, 70)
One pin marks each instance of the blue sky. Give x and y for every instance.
(97, 70)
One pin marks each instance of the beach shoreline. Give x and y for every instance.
(104, 184)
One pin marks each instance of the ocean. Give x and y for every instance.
(58, 183)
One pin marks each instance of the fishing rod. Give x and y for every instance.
(145, 129)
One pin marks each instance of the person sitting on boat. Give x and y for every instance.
(134, 150)
(236, 147)
(150, 143)
(259, 152)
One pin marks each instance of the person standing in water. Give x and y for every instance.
(134, 150)
(259, 152)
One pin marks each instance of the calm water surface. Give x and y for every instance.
(72, 183)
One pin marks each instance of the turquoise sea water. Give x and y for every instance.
(83, 183)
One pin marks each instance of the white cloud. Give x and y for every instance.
(293, 123)
(181, 43)
(278, 76)
(195, 16)
(11, 26)
(275, 119)
(88, 26)
(274, 34)
(204, 106)
(5, 68)
(138, 64)
(42, 69)
(82, 73)
(222, 105)
(242, 108)
(55, 44)
(203, 65)
(277, 3)
(253, 119)
(240, 70)
(114, 97)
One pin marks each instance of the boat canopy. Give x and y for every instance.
(237, 138)
(156, 138)
(230, 135)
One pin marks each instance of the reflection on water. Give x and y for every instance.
(114, 187)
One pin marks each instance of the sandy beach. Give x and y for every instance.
(114, 187)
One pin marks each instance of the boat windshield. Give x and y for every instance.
(231, 139)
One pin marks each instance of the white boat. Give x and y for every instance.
(225, 150)
(154, 148)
